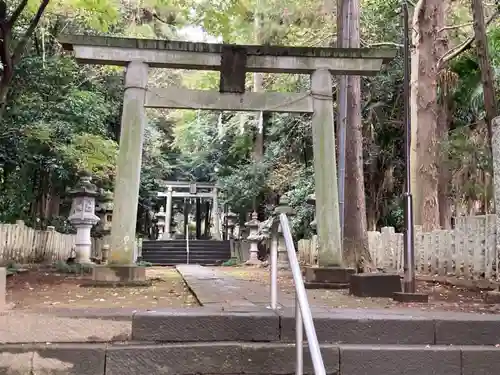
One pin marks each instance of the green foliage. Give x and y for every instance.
(144, 264)
(94, 154)
(62, 118)
(73, 268)
(231, 263)
(56, 124)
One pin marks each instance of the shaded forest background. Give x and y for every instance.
(58, 118)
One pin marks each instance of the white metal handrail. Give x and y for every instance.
(187, 243)
(303, 315)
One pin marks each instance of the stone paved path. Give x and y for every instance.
(20, 327)
(217, 289)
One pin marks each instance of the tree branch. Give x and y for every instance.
(457, 50)
(384, 44)
(15, 15)
(18, 51)
(168, 21)
(451, 27)
(4, 48)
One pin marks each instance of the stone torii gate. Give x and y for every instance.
(193, 192)
(233, 61)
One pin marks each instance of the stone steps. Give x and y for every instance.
(340, 326)
(244, 358)
(205, 252)
(182, 243)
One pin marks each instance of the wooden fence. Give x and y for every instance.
(467, 251)
(23, 244)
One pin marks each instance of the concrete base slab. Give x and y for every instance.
(328, 277)
(375, 285)
(404, 297)
(492, 297)
(118, 276)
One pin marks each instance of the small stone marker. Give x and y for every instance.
(374, 285)
(492, 297)
(3, 288)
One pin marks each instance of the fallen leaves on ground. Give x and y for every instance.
(40, 289)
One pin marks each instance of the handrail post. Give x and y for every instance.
(299, 339)
(187, 243)
(274, 266)
(300, 290)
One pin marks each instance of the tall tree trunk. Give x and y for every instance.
(444, 182)
(446, 81)
(355, 247)
(485, 65)
(428, 20)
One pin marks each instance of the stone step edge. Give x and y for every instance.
(248, 358)
(206, 325)
(77, 345)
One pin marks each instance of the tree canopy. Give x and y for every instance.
(60, 118)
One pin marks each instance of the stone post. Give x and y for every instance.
(168, 216)
(126, 193)
(104, 254)
(325, 167)
(311, 199)
(215, 215)
(83, 216)
(104, 210)
(173, 229)
(253, 237)
(160, 216)
(231, 223)
(283, 208)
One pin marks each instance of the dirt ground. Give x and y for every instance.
(441, 297)
(41, 289)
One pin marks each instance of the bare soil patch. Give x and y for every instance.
(42, 289)
(441, 297)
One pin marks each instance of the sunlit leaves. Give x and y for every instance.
(92, 153)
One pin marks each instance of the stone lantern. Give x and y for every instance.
(104, 210)
(311, 199)
(173, 228)
(83, 216)
(160, 216)
(253, 237)
(283, 208)
(231, 222)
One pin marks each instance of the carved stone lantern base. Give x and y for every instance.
(254, 252)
